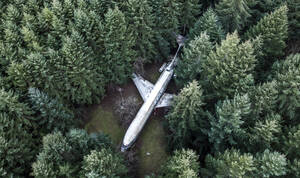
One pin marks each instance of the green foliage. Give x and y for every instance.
(233, 14)
(103, 163)
(264, 98)
(226, 128)
(261, 8)
(183, 164)
(167, 18)
(80, 73)
(16, 136)
(16, 153)
(195, 53)
(52, 114)
(286, 74)
(229, 69)
(266, 132)
(208, 22)
(291, 142)
(167, 22)
(273, 29)
(184, 115)
(141, 26)
(231, 163)
(118, 43)
(294, 169)
(270, 164)
(294, 19)
(189, 10)
(62, 156)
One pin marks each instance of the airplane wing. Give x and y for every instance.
(143, 86)
(165, 100)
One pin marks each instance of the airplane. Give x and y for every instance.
(153, 96)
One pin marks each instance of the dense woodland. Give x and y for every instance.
(237, 112)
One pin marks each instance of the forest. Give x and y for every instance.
(238, 78)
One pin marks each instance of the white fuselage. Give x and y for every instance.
(145, 111)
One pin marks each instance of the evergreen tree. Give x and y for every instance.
(194, 54)
(264, 98)
(17, 147)
(183, 164)
(273, 30)
(52, 114)
(167, 23)
(286, 74)
(184, 115)
(55, 150)
(139, 16)
(81, 79)
(118, 43)
(261, 8)
(233, 14)
(103, 163)
(227, 126)
(291, 142)
(231, 163)
(189, 10)
(294, 169)
(208, 22)
(62, 156)
(229, 68)
(294, 19)
(270, 164)
(264, 133)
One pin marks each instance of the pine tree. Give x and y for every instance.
(208, 22)
(291, 142)
(273, 29)
(286, 75)
(52, 114)
(184, 115)
(266, 132)
(189, 10)
(103, 163)
(194, 54)
(167, 23)
(62, 156)
(264, 98)
(233, 14)
(230, 67)
(227, 126)
(82, 82)
(261, 8)
(294, 169)
(294, 19)
(118, 42)
(231, 163)
(139, 16)
(270, 164)
(16, 136)
(183, 163)
(55, 150)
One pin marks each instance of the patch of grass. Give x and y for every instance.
(154, 76)
(105, 121)
(152, 141)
